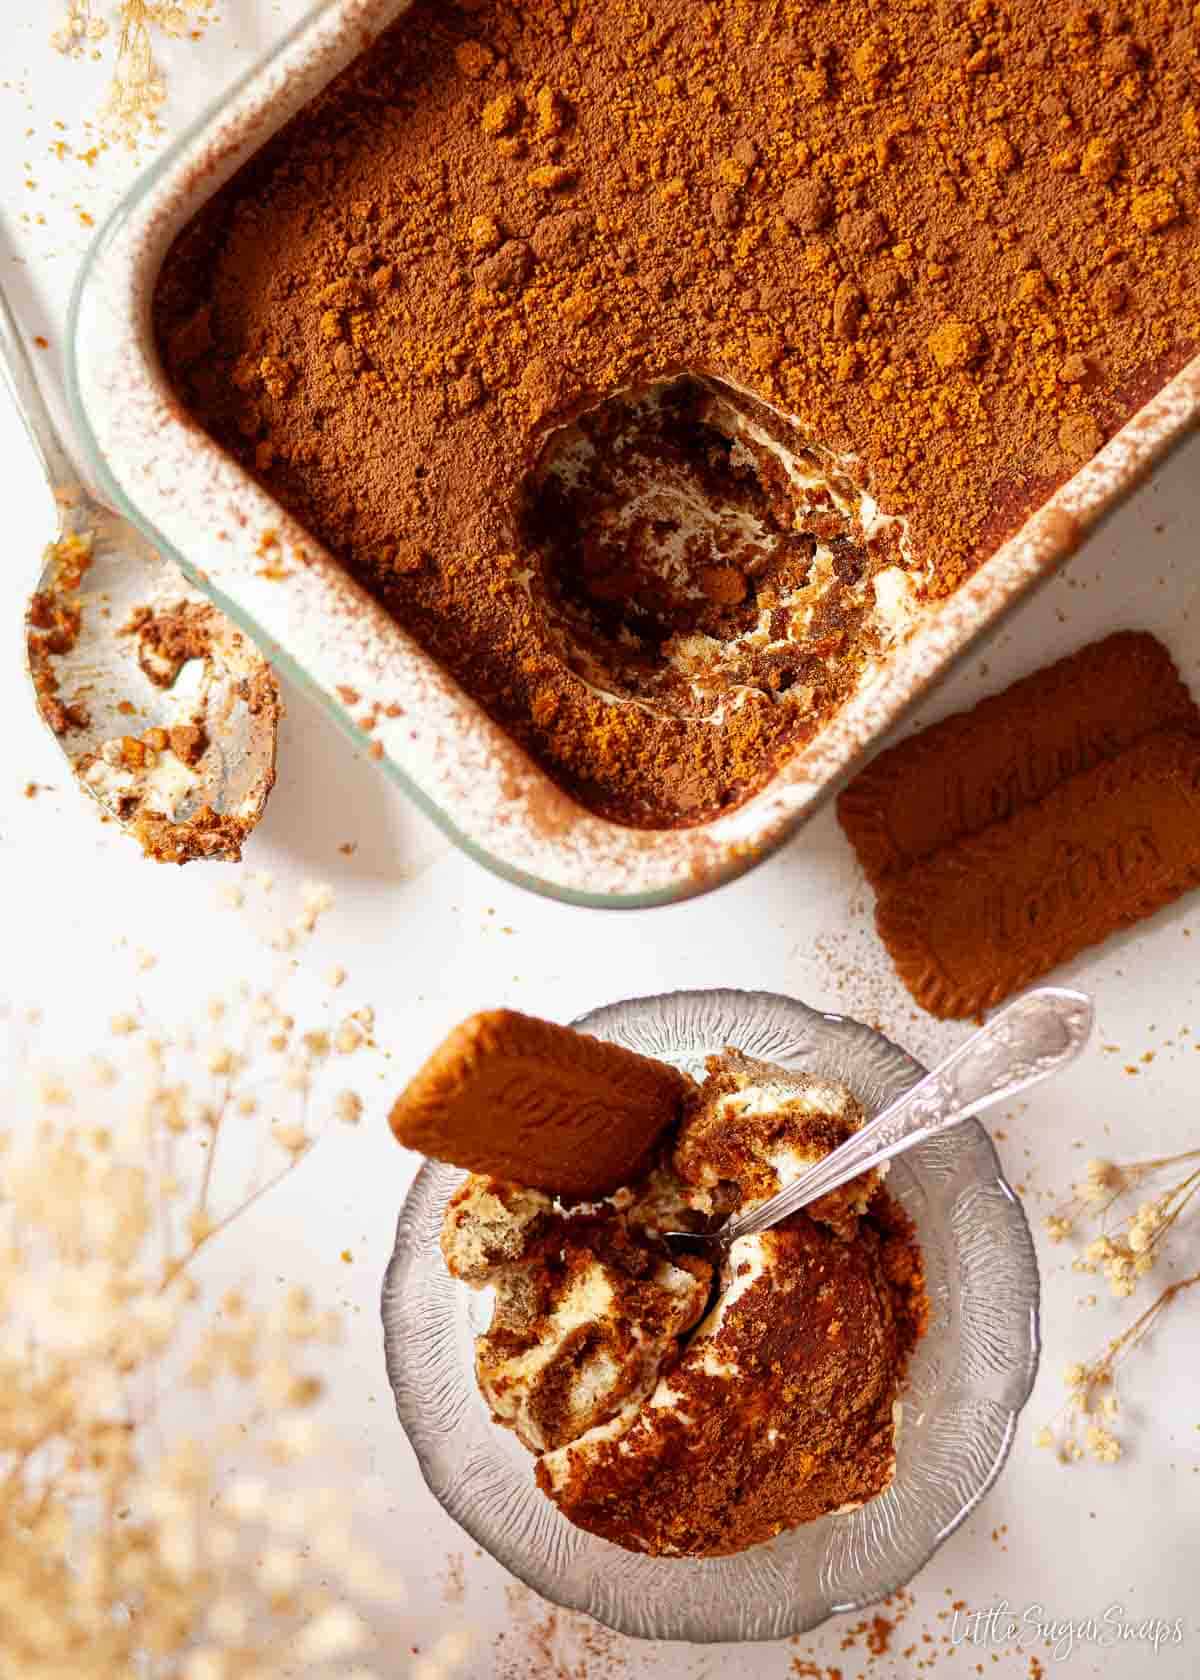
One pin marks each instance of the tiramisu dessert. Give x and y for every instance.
(671, 1411)
(654, 366)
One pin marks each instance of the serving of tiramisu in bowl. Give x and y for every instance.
(687, 1446)
(619, 415)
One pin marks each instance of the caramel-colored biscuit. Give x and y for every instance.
(977, 921)
(983, 766)
(538, 1104)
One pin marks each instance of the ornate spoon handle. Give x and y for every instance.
(1034, 1037)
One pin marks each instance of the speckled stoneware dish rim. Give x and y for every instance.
(469, 1499)
(234, 541)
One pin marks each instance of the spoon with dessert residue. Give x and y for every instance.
(1036, 1036)
(166, 712)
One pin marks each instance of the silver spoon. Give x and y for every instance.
(1036, 1036)
(166, 712)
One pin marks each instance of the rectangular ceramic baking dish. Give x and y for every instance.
(238, 545)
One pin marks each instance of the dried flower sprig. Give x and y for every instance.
(137, 91)
(1091, 1385)
(132, 1542)
(80, 27)
(1123, 1253)
(1127, 1251)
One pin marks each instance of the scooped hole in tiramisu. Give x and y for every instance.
(697, 551)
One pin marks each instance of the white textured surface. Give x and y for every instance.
(420, 931)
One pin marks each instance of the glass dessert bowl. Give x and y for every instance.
(967, 1382)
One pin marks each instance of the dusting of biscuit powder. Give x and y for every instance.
(951, 246)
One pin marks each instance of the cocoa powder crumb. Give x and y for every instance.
(862, 231)
(551, 177)
(848, 306)
(474, 59)
(189, 742)
(1079, 436)
(956, 344)
(808, 205)
(500, 114)
(1101, 158)
(1154, 209)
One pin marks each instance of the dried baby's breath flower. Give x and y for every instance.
(1126, 1251)
(1123, 1253)
(200, 1226)
(1103, 1445)
(1091, 1384)
(137, 90)
(129, 1544)
(294, 1139)
(348, 1107)
(80, 27)
(1103, 1179)
(315, 898)
(1146, 1224)
(53, 1092)
(102, 1072)
(297, 1076)
(348, 1038)
(222, 1060)
(1118, 1250)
